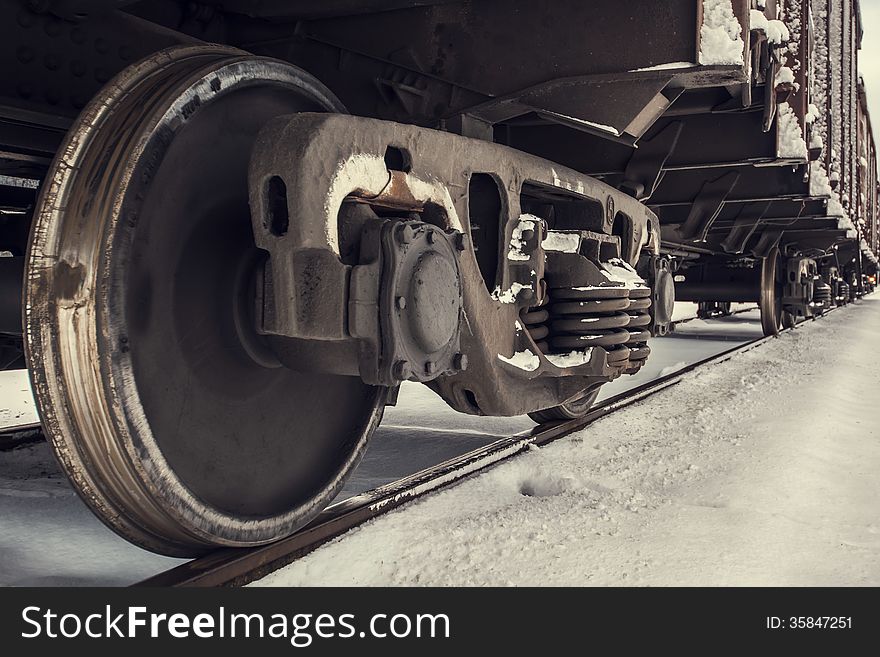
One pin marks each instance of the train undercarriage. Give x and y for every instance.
(232, 229)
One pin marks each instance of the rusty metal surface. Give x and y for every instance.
(299, 148)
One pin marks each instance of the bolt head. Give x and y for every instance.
(405, 234)
(402, 370)
(527, 235)
(430, 367)
(400, 302)
(460, 362)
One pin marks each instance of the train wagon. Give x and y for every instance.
(230, 229)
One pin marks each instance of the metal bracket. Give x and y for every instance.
(744, 227)
(707, 206)
(645, 168)
(769, 240)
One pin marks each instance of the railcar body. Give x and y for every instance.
(232, 228)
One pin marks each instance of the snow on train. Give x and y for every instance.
(232, 228)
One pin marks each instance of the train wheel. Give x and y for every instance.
(164, 406)
(771, 294)
(571, 410)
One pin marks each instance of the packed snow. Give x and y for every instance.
(563, 242)
(620, 271)
(721, 40)
(731, 477)
(524, 360)
(776, 31)
(516, 250)
(790, 142)
(820, 186)
(571, 359)
(509, 295)
(785, 76)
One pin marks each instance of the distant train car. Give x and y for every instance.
(232, 228)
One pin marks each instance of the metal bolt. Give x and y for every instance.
(400, 302)
(401, 370)
(430, 366)
(461, 241)
(460, 362)
(527, 235)
(405, 234)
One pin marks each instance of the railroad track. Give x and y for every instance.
(21, 434)
(237, 567)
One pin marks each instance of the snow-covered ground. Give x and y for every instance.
(759, 471)
(16, 400)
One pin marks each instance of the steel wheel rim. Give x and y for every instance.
(770, 302)
(99, 404)
(581, 404)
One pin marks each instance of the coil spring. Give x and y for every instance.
(614, 318)
(535, 322)
(639, 319)
(843, 293)
(591, 317)
(821, 292)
